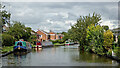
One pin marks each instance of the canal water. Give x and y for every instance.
(57, 56)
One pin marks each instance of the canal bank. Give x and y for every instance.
(57, 56)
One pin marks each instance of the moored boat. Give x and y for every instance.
(67, 43)
(21, 46)
(38, 45)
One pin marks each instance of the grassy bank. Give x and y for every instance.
(7, 49)
(58, 44)
(33, 45)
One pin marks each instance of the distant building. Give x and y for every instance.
(43, 36)
(60, 36)
(116, 33)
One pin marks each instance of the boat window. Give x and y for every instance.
(19, 43)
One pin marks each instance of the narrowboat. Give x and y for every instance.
(38, 45)
(66, 43)
(21, 46)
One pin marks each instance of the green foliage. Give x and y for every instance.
(32, 39)
(78, 31)
(5, 15)
(119, 40)
(7, 49)
(66, 36)
(105, 27)
(7, 40)
(19, 31)
(57, 41)
(117, 51)
(108, 39)
(94, 38)
(109, 52)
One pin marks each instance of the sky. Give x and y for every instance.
(58, 16)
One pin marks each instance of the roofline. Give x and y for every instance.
(43, 32)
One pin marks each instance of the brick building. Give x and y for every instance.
(42, 35)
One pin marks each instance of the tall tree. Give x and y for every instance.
(108, 39)
(5, 15)
(94, 38)
(19, 31)
(79, 29)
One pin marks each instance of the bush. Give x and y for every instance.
(109, 52)
(117, 51)
(94, 39)
(57, 41)
(108, 39)
(7, 40)
(119, 40)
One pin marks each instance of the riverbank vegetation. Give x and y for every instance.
(7, 49)
(92, 36)
(58, 42)
(13, 32)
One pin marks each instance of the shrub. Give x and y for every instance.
(117, 51)
(108, 39)
(57, 41)
(94, 39)
(7, 40)
(109, 52)
(119, 40)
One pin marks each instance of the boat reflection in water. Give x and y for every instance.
(38, 49)
(19, 53)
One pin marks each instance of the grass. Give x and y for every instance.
(58, 44)
(33, 45)
(7, 49)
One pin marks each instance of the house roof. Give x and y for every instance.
(51, 33)
(43, 32)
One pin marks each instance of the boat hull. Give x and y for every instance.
(20, 49)
(38, 46)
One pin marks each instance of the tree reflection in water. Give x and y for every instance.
(91, 58)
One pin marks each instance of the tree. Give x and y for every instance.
(78, 31)
(5, 15)
(66, 36)
(19, 31)
(94, 38)
(108, 39)
(119, 40)
(7, 40)
(105, 27)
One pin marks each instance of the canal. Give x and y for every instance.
(57, 56)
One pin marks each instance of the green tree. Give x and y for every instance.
(32, 39)
(119, 40)
(78, 31)
(7, 40)
(105, 27)
(94, 38)
(108, 39)
(66, 36)
(19, 31)
(5, 15)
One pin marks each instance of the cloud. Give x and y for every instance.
(58, 15)
(59, 0)
(111, 23)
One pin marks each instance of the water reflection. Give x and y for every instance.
(56, 56)
(87, 57)
(37, 50)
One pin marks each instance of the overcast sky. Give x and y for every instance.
(57, 16)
